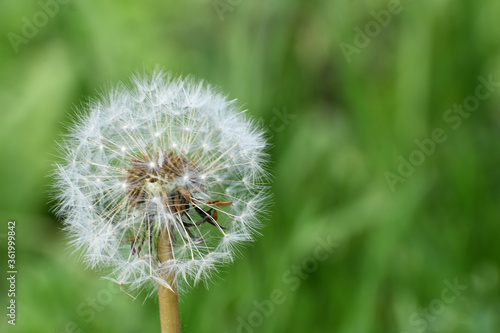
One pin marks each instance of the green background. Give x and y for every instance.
(355, 107)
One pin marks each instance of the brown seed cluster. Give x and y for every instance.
(149, 178)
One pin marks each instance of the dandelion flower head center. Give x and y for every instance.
(150, 177)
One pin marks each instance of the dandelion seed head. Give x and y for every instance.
(161, 155)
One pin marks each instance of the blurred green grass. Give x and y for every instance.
(351, 121)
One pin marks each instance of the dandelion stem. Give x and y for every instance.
(168, 298)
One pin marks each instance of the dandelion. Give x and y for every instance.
(160, 182)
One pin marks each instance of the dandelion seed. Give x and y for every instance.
(161, 182)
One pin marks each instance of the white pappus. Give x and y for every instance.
(161, 155)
